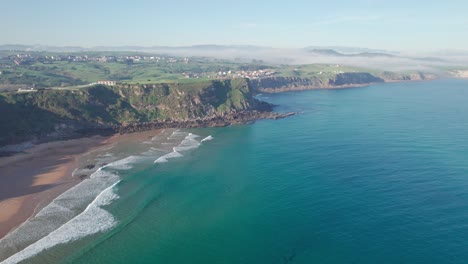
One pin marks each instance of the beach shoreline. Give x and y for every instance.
(32, 179)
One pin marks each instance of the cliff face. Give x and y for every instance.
(188, 101)
(55, 113)
(282, 84)
(396, 77)
(353, 78)
(60, 113)
(340, 80)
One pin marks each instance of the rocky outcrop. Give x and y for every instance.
(353, 78)
(226, 119)
(60, 114)
(339, 80)
(283, 84)
(398, 77)
(189, 100)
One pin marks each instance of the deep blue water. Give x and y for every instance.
(367, 175)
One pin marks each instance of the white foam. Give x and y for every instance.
(61, 210)
(123, 164)
(192, 136)
(92, 220)
(176, 134)
(172, 155)
(188, 143)
(153, 151)
(67, 218)
(207, 138)
(157, 137)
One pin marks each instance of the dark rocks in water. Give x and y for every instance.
(227, 119)
(7, 153)
(82, 177)
(90, 167)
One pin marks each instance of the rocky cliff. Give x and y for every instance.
(53, 114)
(188, 101)
(340, 80)
(415, 76)
(61, 113)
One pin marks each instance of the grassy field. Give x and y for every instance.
(74, 74)
(64, 73)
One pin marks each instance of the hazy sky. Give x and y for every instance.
(396, 24)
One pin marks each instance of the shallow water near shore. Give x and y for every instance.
(365, 175)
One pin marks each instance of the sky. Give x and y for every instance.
(402, 25)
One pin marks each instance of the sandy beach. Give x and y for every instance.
(31, 180)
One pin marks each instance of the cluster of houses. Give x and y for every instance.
(108, 83)
(27, 90)
(244, 74)
(192, 75)
(255, 74)
(231, 74)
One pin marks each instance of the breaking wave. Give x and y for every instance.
(79, 212)
(66, 219)
(207, 138)
(94, 219)
(188, 143)
(173, 154)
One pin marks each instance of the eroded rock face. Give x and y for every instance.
(340, 80)
(397, 77)
(60, 114)
(283, 84)
(353, 78)
(53, 114)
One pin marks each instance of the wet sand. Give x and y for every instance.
(31, 180)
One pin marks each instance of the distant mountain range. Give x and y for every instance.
(332, 52)
(369, 54)
(351, 50)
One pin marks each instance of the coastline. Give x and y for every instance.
(336, 87)
(32, 179)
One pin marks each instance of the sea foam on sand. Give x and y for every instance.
(61, 222)
(92, 220)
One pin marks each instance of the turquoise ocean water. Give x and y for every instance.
(367, 175)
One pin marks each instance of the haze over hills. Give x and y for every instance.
(351, 50)
(355, 56)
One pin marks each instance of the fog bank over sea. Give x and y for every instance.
(363, 57)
